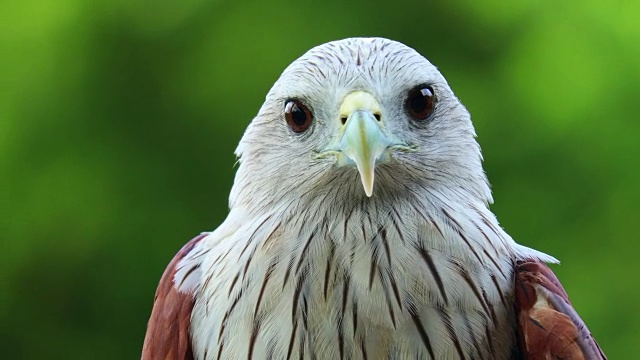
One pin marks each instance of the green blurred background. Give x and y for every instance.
(118, 122)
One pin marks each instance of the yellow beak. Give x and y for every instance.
(364, 143)
(362, 140)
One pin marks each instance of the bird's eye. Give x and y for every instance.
(298, 116)
(421, 102)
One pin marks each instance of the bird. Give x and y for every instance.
(359, 228)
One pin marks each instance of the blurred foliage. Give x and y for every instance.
(118, 122)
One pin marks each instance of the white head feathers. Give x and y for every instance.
(274, 161)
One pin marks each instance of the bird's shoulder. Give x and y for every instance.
(549, 326)
(167, 334)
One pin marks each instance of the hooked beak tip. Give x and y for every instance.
(367, 183)
(368, 192)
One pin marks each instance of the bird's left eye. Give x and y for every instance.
(421, 102)
(298, 116)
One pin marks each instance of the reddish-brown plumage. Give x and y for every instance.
(168, 335)
(549, 327)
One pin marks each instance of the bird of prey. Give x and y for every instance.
(359, 228)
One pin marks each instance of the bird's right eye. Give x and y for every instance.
(298, 116)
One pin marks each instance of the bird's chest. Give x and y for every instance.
(379, 298)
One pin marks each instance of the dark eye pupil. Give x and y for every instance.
(421, 102)
(298, 116)
(418, 103)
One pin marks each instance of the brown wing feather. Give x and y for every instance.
(549, 327)
(167, 335)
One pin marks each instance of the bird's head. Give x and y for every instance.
(359, 118)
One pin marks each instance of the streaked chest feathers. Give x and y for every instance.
(376, 283)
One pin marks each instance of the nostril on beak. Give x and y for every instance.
(343, 119)
(377, 116)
